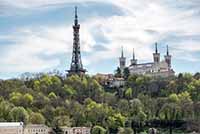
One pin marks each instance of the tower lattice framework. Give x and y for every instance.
(76, 63)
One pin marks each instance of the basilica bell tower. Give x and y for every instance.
(156, 55)
(122, 61)
(168, 57)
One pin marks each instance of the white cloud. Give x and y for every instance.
(144, 22)
(26, 53)
(36, 49)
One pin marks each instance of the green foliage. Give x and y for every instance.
(129, 93)
(125, 131)
(52, 96)
(170, 112)
(18, 114)
(118, 72)
(98, 130)
(27, 99)
(126, 73)
(173, 98)
(82, 101)
(5, 108)
(116, 120)
(16, 98)
(36, 118)
(63, 120)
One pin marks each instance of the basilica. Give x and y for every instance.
(156, 68)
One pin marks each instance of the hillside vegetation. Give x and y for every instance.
(170, 103)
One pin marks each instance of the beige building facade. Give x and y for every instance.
(11, 128)
(36, 129)
(19, 128)
(75, 130)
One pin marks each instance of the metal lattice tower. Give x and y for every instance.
(76, 63)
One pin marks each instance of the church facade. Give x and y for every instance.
(157, 68)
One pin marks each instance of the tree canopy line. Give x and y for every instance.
(168, 104)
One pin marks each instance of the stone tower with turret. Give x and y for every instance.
(122, 61)
(133, 60)
(168, 58)
(156, 55)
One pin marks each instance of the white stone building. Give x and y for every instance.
(11, 128)
(36, 129)
(76, 130)
(109, 80)
(156, 68)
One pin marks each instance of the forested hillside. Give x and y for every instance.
(170, 103)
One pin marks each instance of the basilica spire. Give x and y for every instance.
(167, 50)
(134, 60)
(156, 55)
(122, 53)
(156, 47)
(133, 54)
(122, 60)
(168, 58)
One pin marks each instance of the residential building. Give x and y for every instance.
(76, 130)
(36, 129)
(11, 128)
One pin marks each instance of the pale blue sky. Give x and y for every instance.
(36, 35)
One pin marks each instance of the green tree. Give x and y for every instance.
(40, 100)
(170, 112)
(126, 73)
(125, 131)
(52, 96)
(137, 114)
(5, 108)
(62, 120)
(27, 100)
(98, 130)
(123, 106)
(95, 112)
(36, 118)
(186, 104)
(129, 93)
(174, 98)
(115, 121)
(18, 114)
(48, 112)
(69, 92)
(16, 98)
(118, 72)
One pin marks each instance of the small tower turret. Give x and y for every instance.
(156, 55)
(168, 57)
(122, 61)
(134, 60)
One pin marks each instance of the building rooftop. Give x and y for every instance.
(11, 124)
(36, 125)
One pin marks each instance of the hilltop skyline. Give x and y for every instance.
(37, 36)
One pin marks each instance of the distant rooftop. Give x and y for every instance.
(36, 125)
(11, 124)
